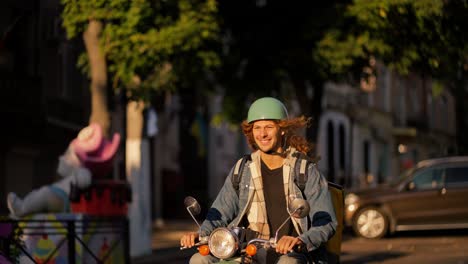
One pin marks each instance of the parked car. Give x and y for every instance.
(431, 195)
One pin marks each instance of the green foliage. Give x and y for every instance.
(427, 36)
(146, 40)
(76, 14)
(437, 88)
(342, 53)
(269, 51)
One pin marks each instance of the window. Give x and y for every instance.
(399, 103)
(444, 113)
(427, 179)
(414, 99)
(366, 158)
(331, 151)
(456, 176)
(342, 146)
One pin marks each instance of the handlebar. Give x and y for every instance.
(196, 245)
(251, 248)
(266, 243)
(202, 241)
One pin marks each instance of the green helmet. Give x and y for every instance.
(267, 108)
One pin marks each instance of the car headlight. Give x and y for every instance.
(351, 201)
(223, 243)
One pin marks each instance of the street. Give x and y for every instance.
(409, 247)
(406, 247)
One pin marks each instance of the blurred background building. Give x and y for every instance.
(369, 137)
(44, 97)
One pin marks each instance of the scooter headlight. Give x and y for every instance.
(223, 243)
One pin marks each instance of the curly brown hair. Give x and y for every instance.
(290, 127)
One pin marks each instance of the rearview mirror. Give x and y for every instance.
(192, 205)
(299, 208)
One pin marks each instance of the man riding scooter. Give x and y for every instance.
(267, 185)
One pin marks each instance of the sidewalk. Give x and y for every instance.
(165, 242)
(168, 234)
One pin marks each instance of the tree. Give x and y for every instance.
(428, 37)
(137, 48)
(270, 50)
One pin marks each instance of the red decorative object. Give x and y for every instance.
(102, 198)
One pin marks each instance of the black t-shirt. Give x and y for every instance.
(275, 201)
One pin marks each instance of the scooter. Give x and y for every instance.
(298, 208)
(226, 243)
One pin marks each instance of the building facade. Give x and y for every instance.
(44, 97)
(370, 137)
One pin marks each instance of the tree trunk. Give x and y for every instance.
(137, 163)
(97, 62)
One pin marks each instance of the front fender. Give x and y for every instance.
(391, 219)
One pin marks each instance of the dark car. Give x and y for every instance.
(431, 195)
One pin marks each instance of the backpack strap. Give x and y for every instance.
(301, 177)
(237, 174)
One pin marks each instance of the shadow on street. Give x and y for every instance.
(431, 233)
(348, 233)
(434, 246)
(375, 257)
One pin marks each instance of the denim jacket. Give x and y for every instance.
(228, 209)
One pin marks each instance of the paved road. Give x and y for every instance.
(408, 247)
(166, 244)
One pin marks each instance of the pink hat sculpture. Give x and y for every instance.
(94, 151)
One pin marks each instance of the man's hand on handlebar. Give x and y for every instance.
(188, 239)
(286, 244)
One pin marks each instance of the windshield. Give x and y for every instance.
(402, 177)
